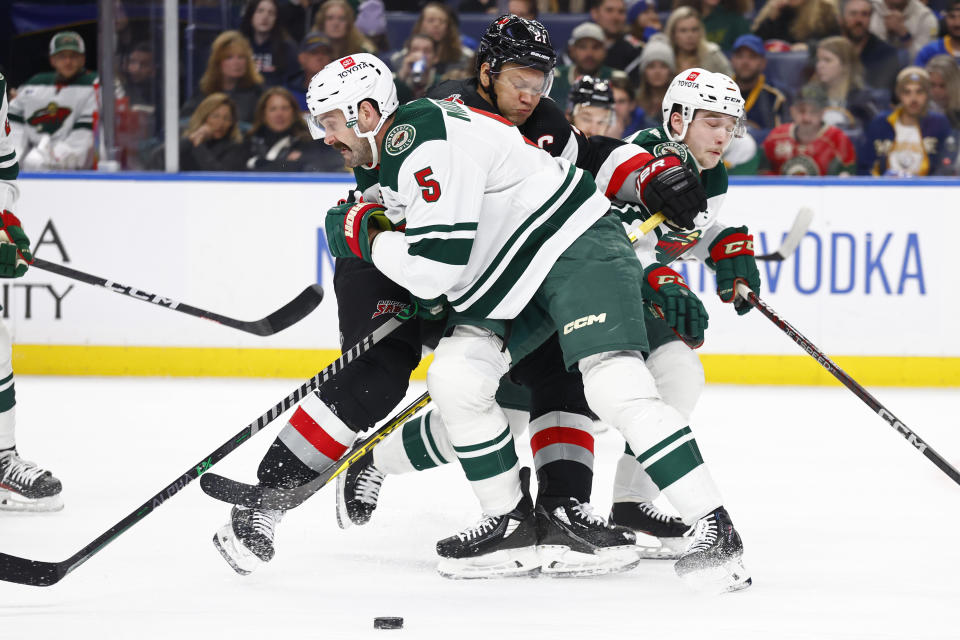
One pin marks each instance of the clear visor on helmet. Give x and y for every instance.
(736, 127)
(593, 119)
(332, 122)
(525, 79)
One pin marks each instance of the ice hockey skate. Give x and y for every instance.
(358, 489)
(713, 562)
(660, 535)
(26, 487)
(497, 546)
(572, 541)
(247, 540)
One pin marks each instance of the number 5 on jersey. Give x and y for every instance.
(429, 188)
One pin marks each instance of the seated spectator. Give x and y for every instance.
(909, 141)
(138, 114)
(590, 106)
(316, 52)
(52, 114)
(138, 76)
(630, 117)
(274, 53)
(950, 43)
(723, 20)
(523, 8)
(587, 52)
(372, 24)
(797, 21)
(418, 69)
(279, 139)
(880, 61)
(765, 106)
(643, 22)
(337, 20)
(945, 88)
(478, 6)
(622, 47)
(907, 25)
(690, 46)
(850, 106)
(808, 146)
(657, 69)
(212, 139)
(440, 23)
(230, 70)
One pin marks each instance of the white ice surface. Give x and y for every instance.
(849, 532)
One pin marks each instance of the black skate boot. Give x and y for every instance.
(358, 489)
(26, 487)
(713, 561)
(247, 540)
(672, 535)
(497, 546)
(572, 541)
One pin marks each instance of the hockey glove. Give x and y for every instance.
(15, 255)
(667, 295)
(432, 309)
(347, 228)
(731, 255)
(667, 185)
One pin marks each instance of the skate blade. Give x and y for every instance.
(240, 560)
(560, 561)
(13, 501)
(651, 548)
(343, 518)
(508, 563)
(726, 578)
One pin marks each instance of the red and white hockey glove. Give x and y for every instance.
(667, 185)
(668, 296)
(731, 254)
(15, 254)
(348, 225)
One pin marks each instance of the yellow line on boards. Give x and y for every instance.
(90, 360)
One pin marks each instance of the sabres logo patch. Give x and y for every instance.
(400, 139)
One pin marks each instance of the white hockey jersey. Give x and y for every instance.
(486, 212)
(53, 123)
(9, 168)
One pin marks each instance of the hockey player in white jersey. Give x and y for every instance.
(479, 216)
(23, 485)
(52, 114)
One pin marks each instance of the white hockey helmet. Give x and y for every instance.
(344, 84)
(697, 88)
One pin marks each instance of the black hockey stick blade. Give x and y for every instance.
(260, 497)
(31, 572)
(796, 233)
(910, 436)
(290, 313)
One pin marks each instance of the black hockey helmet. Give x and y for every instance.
(592, 92)
(511, 38)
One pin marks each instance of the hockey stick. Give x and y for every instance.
(290, 313)
(838, 373)
(260, 497)
(42, 574)
(797, 231)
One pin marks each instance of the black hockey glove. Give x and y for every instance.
(667, 185)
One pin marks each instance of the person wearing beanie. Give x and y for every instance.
(908, 141)
(586, 50)
(643, 20)
(657, 67)
(765, 106)
(950, 43)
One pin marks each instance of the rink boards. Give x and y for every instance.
(870, 284)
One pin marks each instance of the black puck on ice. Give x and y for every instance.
(388, 623)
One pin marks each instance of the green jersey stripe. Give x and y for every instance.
(508, 245)
(454, 251)
(460, 226)
(483, 445)
(652, 451)
(521, 260)
(676, 464)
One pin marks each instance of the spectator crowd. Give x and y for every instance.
(868, 87)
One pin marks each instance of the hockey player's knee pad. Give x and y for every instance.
(466, 372)
(679, 376)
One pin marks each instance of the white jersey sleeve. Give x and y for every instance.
(9, 168)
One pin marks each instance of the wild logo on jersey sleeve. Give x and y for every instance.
(677, 149)
(50, 118)
(672, 245)
(400, 139)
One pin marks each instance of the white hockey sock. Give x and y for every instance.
(631, 483)
(420, 444)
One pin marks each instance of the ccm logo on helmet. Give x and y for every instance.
(580, 323)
